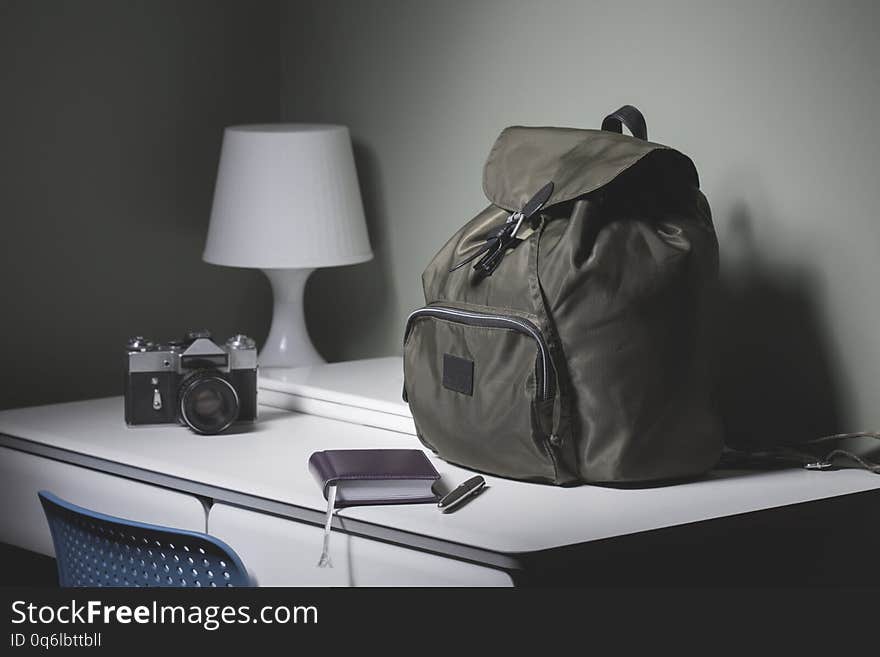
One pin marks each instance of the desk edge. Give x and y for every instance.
(420, 542)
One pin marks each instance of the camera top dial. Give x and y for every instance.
(241, 341)
(139, 343)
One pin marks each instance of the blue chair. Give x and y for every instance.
(93, 549)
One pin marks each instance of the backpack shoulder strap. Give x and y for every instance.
(817, 454)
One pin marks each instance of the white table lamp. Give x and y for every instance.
(287, 201)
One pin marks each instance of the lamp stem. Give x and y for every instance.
(288, 343)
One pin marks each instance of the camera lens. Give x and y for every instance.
(208, 403)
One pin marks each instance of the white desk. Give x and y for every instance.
(258, 483)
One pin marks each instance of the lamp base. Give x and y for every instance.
(288, 343)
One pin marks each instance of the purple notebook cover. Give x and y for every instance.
(336, 465)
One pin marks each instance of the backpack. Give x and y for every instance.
(566, 335)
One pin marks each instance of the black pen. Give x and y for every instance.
(465, 491)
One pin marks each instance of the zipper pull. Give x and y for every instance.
(505, 237)
(492, 240)
(473, 257)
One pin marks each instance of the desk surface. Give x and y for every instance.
(266, 468)
(350, 383)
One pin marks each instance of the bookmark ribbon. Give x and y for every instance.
(325, 561)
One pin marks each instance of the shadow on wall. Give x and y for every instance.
(345, 305)
(777, 380)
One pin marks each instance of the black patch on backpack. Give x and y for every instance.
(458, 374)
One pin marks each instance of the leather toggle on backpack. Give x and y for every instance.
(566, 335)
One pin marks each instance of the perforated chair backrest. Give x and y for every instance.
(93, 549)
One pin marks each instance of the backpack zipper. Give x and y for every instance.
(494, 321)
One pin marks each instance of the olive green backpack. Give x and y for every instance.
(566, 335)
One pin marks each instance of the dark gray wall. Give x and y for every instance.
(775, 102)
(111, 118)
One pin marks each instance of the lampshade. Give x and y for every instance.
(287, 196)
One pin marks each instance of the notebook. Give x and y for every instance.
(375, 476)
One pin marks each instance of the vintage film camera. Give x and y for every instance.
(194, 381)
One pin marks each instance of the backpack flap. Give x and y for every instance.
(578, 162)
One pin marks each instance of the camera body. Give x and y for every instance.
(194, 381)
